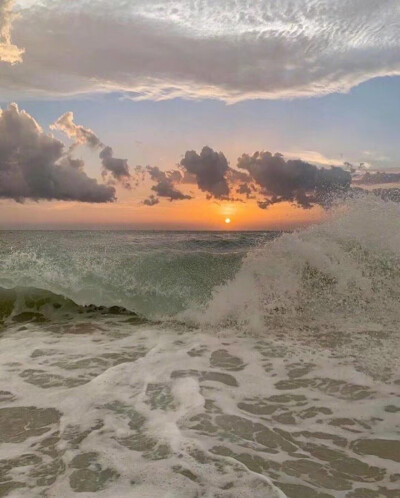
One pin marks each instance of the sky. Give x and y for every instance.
(179, 114)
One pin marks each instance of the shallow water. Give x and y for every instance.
(270, 369)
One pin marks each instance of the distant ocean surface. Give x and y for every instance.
(203, 364)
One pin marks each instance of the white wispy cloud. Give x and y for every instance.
(230, 49)
(315, 157)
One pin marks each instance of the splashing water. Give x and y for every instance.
(344, 271)
(259, 365)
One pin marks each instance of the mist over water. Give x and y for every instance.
(256, 365)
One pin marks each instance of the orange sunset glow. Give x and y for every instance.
(196, 214)
(199, 248)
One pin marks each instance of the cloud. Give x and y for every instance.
(266, 178)
(314, 157)
(36, 166)
(118, 168)
(293, 180)
(230, 49)
(165, 184)
(151, 201)
(246, 189)
(378, 178)
(210, 169)
(80, 134)
(8, 52)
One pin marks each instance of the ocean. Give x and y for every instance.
(203, 364)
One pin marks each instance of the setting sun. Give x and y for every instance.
(201, 200)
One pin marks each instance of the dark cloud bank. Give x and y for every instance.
(36, 166)
(266, 177)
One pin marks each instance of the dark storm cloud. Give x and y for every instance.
(36, 166)
(210, 169)
(118, 168)
(293, 180)
(8, 52)
(165, 183)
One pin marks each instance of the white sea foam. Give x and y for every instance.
(99, 404)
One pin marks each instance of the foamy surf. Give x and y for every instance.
(343, 272)
(270, 368)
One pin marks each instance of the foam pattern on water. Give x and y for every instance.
(274, 371)
(106, 407)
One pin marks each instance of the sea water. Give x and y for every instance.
(199, 364)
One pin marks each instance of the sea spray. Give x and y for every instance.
(95, 401)
(344, 270)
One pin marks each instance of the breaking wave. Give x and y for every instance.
(101, 407)
(345, 271)
(155, 274)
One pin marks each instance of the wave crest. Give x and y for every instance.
(343, 271)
